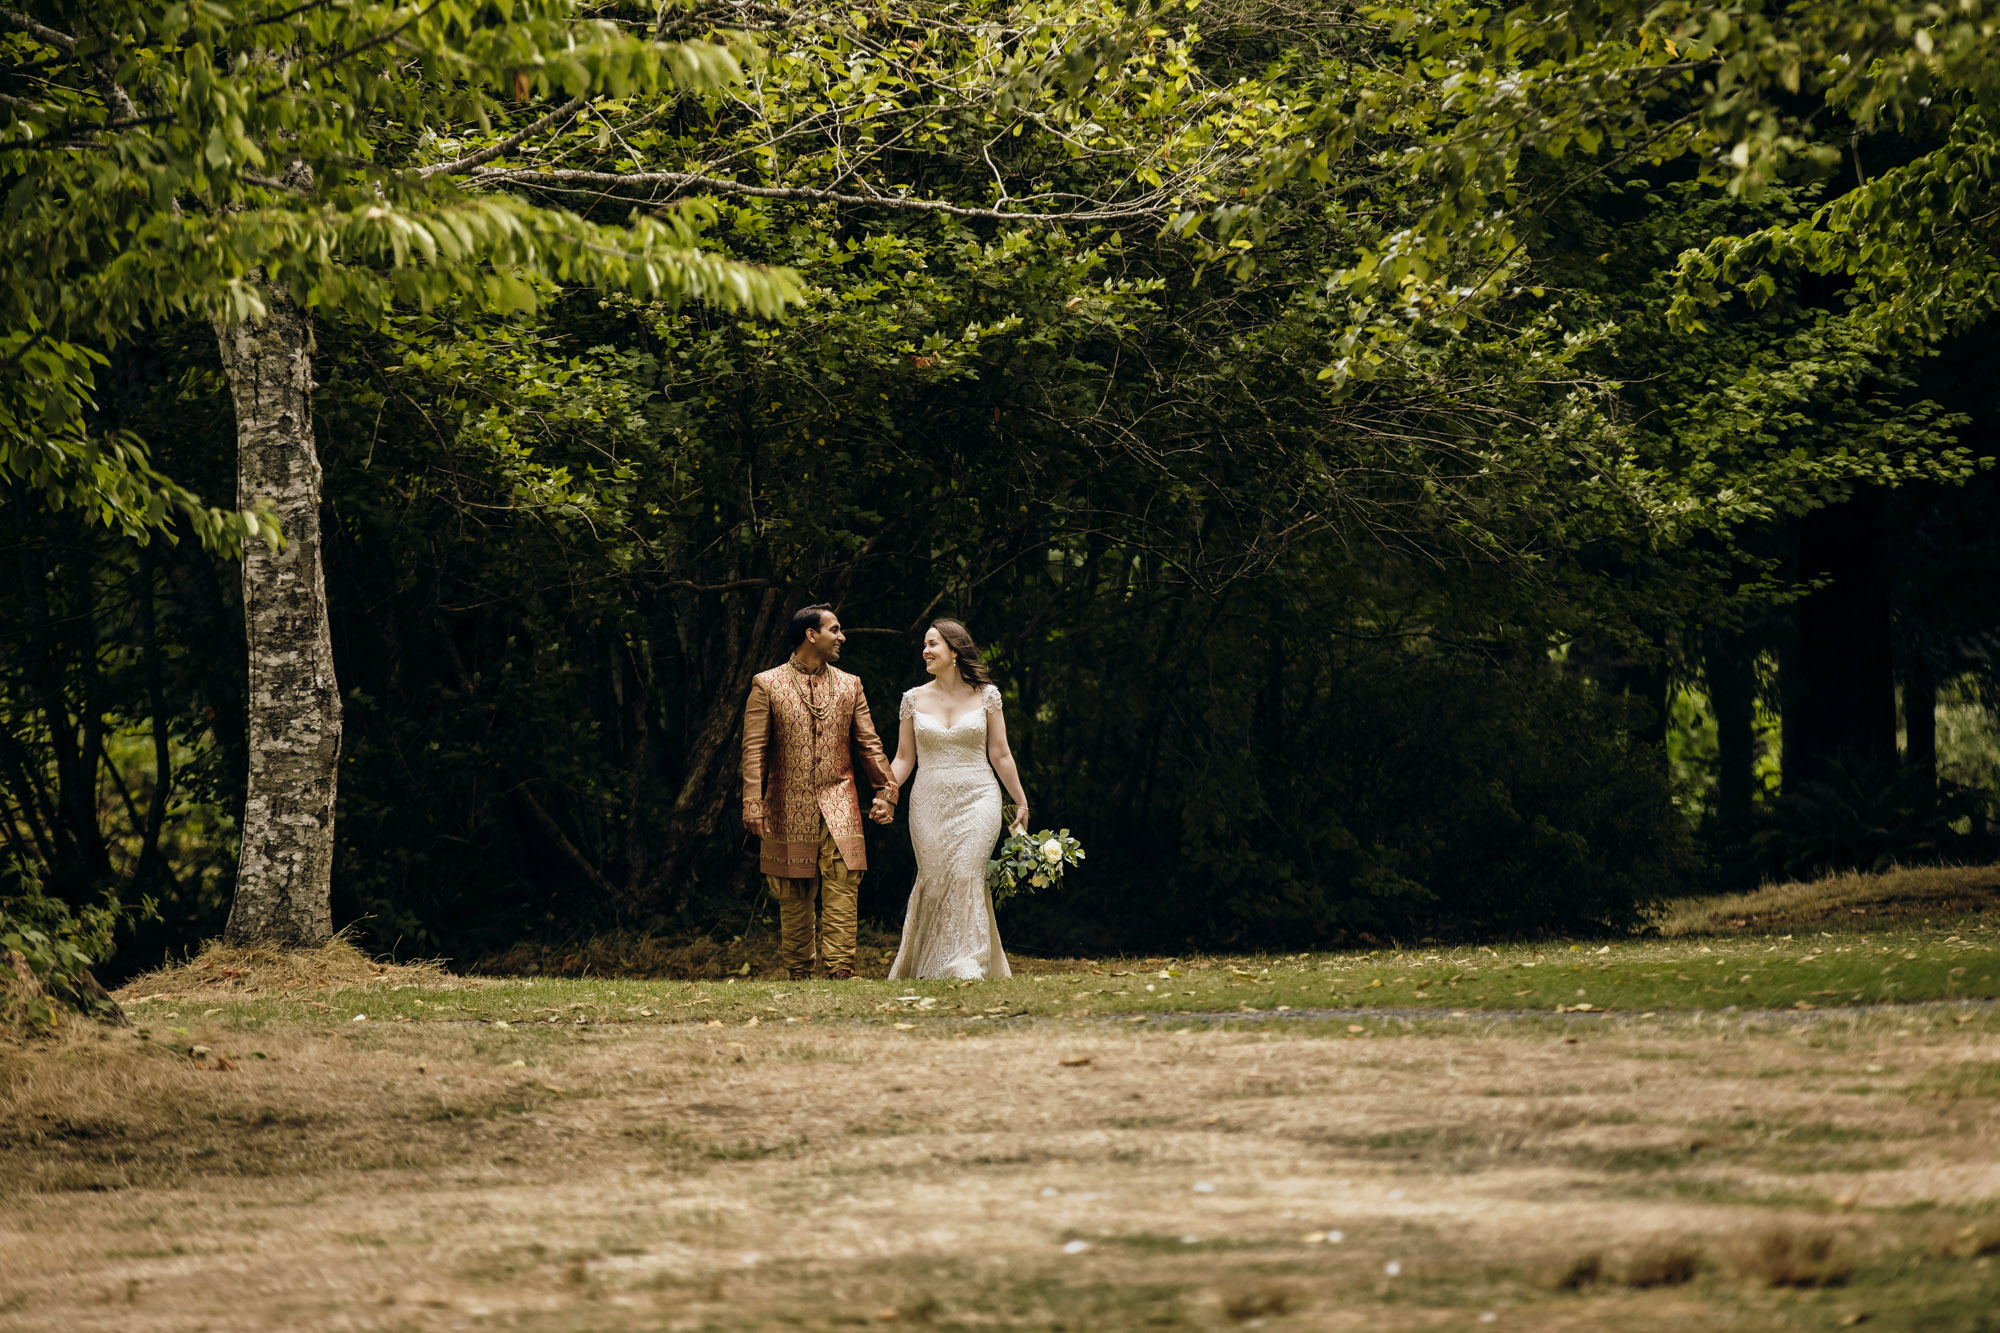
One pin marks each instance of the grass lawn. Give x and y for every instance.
(1792, 1123)
(1892, 962)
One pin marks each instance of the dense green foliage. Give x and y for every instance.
(1350, 430)
(57, 946)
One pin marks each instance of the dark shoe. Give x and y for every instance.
(841, 974)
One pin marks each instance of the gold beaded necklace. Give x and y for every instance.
(821, 712)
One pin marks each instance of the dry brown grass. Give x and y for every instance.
(96, 1110)
(223, 970)
(1931, 891)
(1662, 1265)
(1575, 1273)
(1260, 1303)
(1972, 1242)
(1786, 1256)
(412, 1177)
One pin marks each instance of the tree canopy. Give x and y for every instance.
(1391, 452)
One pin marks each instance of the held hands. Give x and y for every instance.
(883, 809)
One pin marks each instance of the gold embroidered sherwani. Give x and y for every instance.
(800, 733)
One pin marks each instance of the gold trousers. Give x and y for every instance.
(816, 917)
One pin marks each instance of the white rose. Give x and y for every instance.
(1052, 851)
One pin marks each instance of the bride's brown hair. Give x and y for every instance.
(971, 666)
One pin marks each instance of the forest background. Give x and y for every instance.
(1416, 473)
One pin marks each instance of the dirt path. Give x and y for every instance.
(1055, 1175)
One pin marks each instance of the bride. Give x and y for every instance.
(953, 734)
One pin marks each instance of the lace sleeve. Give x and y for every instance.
(909, 706)
(992, 698)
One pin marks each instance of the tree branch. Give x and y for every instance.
(104, 68)
(901, 203)
(62, 41)
(505, 146)
(684, 585)
(376, 41)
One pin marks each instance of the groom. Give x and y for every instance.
(800, 729)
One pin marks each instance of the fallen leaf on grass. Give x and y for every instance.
(1070, 1060)
(906, 1027)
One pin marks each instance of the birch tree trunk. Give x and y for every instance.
(284, 875)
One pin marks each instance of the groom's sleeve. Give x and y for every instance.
(756, 732)
(873, 761)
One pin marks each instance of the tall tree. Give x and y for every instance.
(254, 167)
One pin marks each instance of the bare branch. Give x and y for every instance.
(505, 146)
(610, 180)
(734, 585)
(105, 70)
(62, 41)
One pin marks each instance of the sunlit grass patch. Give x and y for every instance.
(1851, 901)
(1907, 963)
(1375, 991)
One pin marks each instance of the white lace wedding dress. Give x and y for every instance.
(954, 823)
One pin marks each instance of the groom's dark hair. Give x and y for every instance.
(806, 618)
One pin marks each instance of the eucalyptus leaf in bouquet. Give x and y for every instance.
(1026, 862)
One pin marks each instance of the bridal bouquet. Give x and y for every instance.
(1029, 861)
